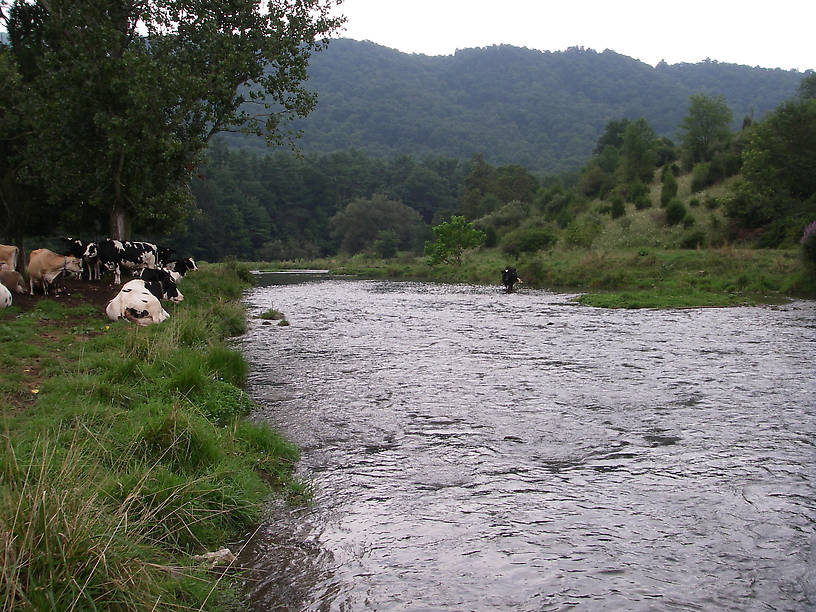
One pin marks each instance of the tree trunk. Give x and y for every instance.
(120, 223)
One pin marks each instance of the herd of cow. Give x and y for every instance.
(155, 273)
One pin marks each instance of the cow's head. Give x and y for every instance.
(73, 264)
(91, 252)
(171, 290)
(73, 246)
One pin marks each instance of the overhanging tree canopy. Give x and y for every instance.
(121, 96)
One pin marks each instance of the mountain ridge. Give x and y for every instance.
(540, 109)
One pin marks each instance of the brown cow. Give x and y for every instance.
(12, 280)
(45, 266)
(8, 256)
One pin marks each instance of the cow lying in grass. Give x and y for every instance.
(136, 303)
(5, 297)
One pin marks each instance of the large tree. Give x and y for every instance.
(122, 96)
(638, 152)
(705, 127)
(358, 225)
(778, 193)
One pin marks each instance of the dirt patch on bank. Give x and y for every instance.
(77, 293)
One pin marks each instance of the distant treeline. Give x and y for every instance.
(261, 207)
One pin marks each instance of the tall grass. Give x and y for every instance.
(132, 456)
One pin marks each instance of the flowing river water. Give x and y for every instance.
(471, 450)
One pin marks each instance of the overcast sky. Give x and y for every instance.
(778, 34)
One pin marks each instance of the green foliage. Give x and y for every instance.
(669, 186)
(508, 102)
(618, 207)
(705, 127)
(807, 87)
(528, 240)
(700, 177)
(582, 232)
(359, 224)
(694, 240)
(638, 152)
(675, 212)
(272, 315)
(781, 151)
(385, 246)
(451, 238)
(131, 94)
(274, 207)
(778, 193)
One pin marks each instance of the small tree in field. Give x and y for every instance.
(451, 238)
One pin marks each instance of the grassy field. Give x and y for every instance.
(125, 453)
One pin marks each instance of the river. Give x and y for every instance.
(471, 450)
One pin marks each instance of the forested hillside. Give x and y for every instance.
(542, 110)
(713, 186)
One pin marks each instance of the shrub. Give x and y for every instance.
(675, 212)
(694, 240)
(642, 202)
(583, 231)
(699, 177)
(385, 246)
(669, 188)
(528, 240)
(618, 208)
(451, 238)
(637, 190)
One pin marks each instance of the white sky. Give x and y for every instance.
(780, 34)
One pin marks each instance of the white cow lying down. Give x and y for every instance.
(5, 297)
(135, 303)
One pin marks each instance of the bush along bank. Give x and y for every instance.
(125, 453)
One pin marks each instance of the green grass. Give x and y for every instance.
(124, 453)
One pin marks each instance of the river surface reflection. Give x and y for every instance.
(471, 450)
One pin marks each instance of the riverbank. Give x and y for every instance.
(125, 452)
(628, 278)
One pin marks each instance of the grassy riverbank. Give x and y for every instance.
(620, 277)
(124, 453)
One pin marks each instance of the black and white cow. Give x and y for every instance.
(161, 284)
(115, 255)
(163, 255)
(135, 303)
(180, 267)
(509, 278)
(86, 251)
